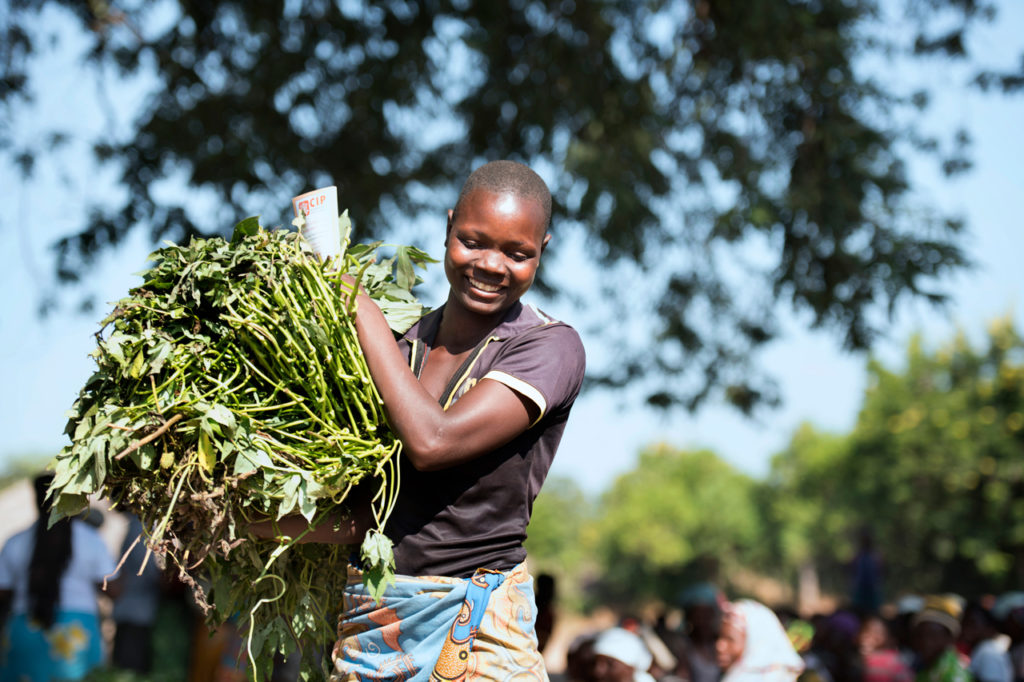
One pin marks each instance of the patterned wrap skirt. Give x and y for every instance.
(66, 651)
(440, 629)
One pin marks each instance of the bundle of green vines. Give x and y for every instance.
(230, 389)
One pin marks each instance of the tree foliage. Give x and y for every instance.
(677, 135)
(935, 463)
(674, 518)
(805, 504)
(932, 469)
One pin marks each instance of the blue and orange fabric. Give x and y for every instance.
(440, 629)
(66, 651)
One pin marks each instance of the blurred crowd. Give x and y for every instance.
(71, 609)
(935, 638)
(60, 625)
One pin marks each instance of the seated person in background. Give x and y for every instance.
(933, 634)
(621, 656)
(698, 660)
(752, 645)
(579, 659)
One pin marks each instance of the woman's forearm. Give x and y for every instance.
(335, 529)
(416, 417)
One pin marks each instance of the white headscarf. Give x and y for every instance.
(627, 647)
(768, 655)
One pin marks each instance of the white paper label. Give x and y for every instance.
(320, 208)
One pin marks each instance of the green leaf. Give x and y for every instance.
(245, 228)
(64, 470)
(251, 460)
(68, 505)
(98, 450)
(365, 250)
(209, 427)
(244, 463)
(378, 560)
(113, 346)
(400, 315)
(161, 352)
(138, 365)
(207, 455)
(316, 334)
(405, 273)
(307, 498)
(84, 481)
(290, 495)
(419, 256)
(83, 429)
(345, 231)
(222, 415)
(145, 456)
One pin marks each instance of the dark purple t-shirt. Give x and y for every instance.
(474, 515)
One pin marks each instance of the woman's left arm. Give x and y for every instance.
(486, 417)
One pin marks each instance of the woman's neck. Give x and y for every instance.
(461, 330)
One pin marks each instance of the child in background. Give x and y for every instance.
(882, 661)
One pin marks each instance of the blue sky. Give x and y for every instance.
(45, 361)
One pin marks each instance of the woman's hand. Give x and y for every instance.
(336, 529)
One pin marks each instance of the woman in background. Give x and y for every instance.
(753, 647)
(49, 579)
(882, 661)
(621, 656)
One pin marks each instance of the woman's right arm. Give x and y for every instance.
(336, 529)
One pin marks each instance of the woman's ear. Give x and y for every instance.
(448, 230)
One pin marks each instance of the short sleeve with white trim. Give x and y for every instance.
(474, 515)
(545, 365)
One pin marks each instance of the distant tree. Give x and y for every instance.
(936, 463)
(720, 157)
(560, 537)
(810, 528)
(660, 523)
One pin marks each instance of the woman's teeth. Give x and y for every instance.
(482, 286)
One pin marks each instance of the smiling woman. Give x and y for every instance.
(479, 392)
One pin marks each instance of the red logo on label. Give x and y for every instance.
(306, 205)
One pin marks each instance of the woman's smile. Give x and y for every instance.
(483, 286)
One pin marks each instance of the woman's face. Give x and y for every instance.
(492, 250)
(608, 669)
(731, 642)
